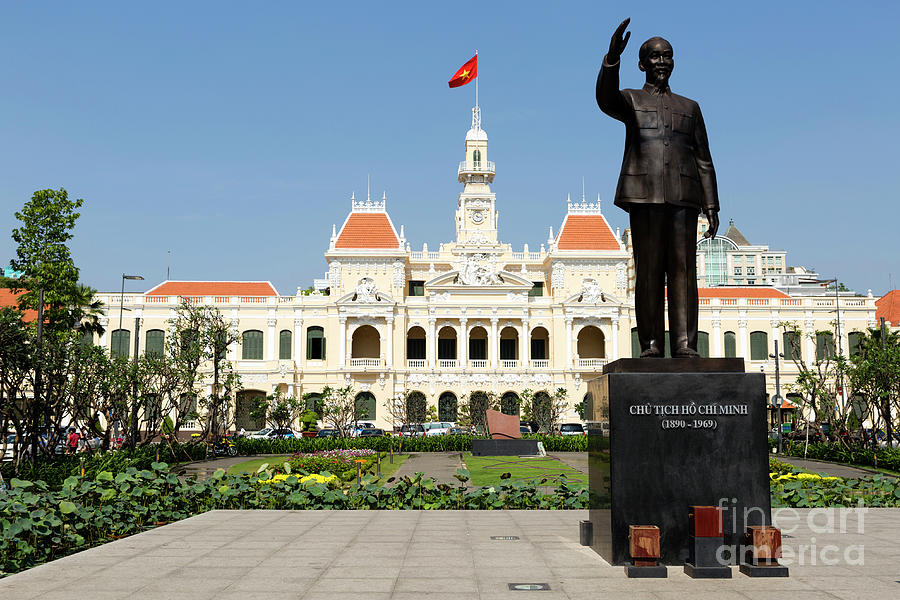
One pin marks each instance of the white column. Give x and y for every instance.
(432, 343)
(462, 345)
(523, 345)
(494, 362)
(809, 338)
(568, 342)
(233, 351)
(615, 339)
(298, 340)
(743, 349)
(342, 341)
(270, 343)
(716, 346)
(104, 323)
(389, 340)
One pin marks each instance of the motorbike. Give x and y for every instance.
(225, 447)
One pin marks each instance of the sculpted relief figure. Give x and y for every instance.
(590, 291)
(476, 270)
(667, 178)
(366, 290)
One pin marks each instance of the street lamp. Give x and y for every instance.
(778, 400)
(122, 307)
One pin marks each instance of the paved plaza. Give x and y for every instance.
(442, 554)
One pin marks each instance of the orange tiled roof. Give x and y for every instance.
(367, 230)
(214, 288)
(8, 298)
(586, 232)
(741, 292)
(888, 306)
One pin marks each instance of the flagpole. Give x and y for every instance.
(476, 80)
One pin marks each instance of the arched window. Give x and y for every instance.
(252, 345)
(416, 407)
(476, 158)
(853, 340)
(759, 345)
(703, 344)
(730, 345)
(824, 345)
(792, 348)
(509, 403)
(284, 344)
(121, 339)
(365, 406)
(315, 343)
(314, 402)
(447, 405)
(155, 342)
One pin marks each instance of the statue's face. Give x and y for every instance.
(658, 62)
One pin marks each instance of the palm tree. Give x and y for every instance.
(87, 310)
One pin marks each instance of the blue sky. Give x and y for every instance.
(234, 133)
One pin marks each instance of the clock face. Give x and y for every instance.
(477, 216)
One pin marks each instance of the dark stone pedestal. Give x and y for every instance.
(692, 432)
(659, 571)
(505, 448)
(766, 571)
(707, 572)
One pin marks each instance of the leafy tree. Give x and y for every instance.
(277, 410)
(817, 380)
(479, 403)
(874, 374)
(416, 407)
(16, 348)
(43, 256)
(339, 407)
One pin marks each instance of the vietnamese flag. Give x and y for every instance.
(466, 73)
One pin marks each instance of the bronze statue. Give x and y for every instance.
(667, 177)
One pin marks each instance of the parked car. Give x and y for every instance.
(572, 429)
(10, 451)
(415, 430)
(437, 427)
(271, 433)
(360, 425)
(457, 431)
(374, 432)
(524, 429)
(328, 433)
(800, 434)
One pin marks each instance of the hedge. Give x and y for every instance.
(54, 470)
(40, 523)
(438, 443)
(887, 458)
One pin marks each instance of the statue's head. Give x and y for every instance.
(655, 58)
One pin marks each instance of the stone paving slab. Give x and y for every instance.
(835, 553)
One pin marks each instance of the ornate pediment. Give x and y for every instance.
(591, 294)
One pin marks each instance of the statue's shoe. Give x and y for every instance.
(686, 352)
(651, 352)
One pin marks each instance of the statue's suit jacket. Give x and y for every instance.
(667, 158)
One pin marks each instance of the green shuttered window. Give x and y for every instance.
(252, 345)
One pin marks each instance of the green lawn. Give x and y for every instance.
(486, 470)
(253, 464)
(388, 469)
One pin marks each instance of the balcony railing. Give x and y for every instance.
(508, 364)
(446, 363)
(415, 363)
(484, 166)
(478, 363)
(540, 363)
(591, 363)
(365, 362)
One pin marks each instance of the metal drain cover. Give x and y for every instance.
(504, 537)
(529, 587)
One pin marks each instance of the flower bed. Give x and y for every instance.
(338, 462)
(790, 488)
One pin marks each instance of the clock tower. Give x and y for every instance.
(476, 211)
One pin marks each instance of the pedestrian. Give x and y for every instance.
(73, 440)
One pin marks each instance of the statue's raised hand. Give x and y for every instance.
(618, 42)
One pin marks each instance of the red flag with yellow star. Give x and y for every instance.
(466, 73)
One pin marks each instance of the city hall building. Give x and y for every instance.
(474, 313)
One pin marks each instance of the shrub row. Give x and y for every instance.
(438, 443)
(54, 470)
(886, 458)
(40, 523)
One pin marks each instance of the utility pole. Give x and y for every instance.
(778, 393)
(35, 402)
